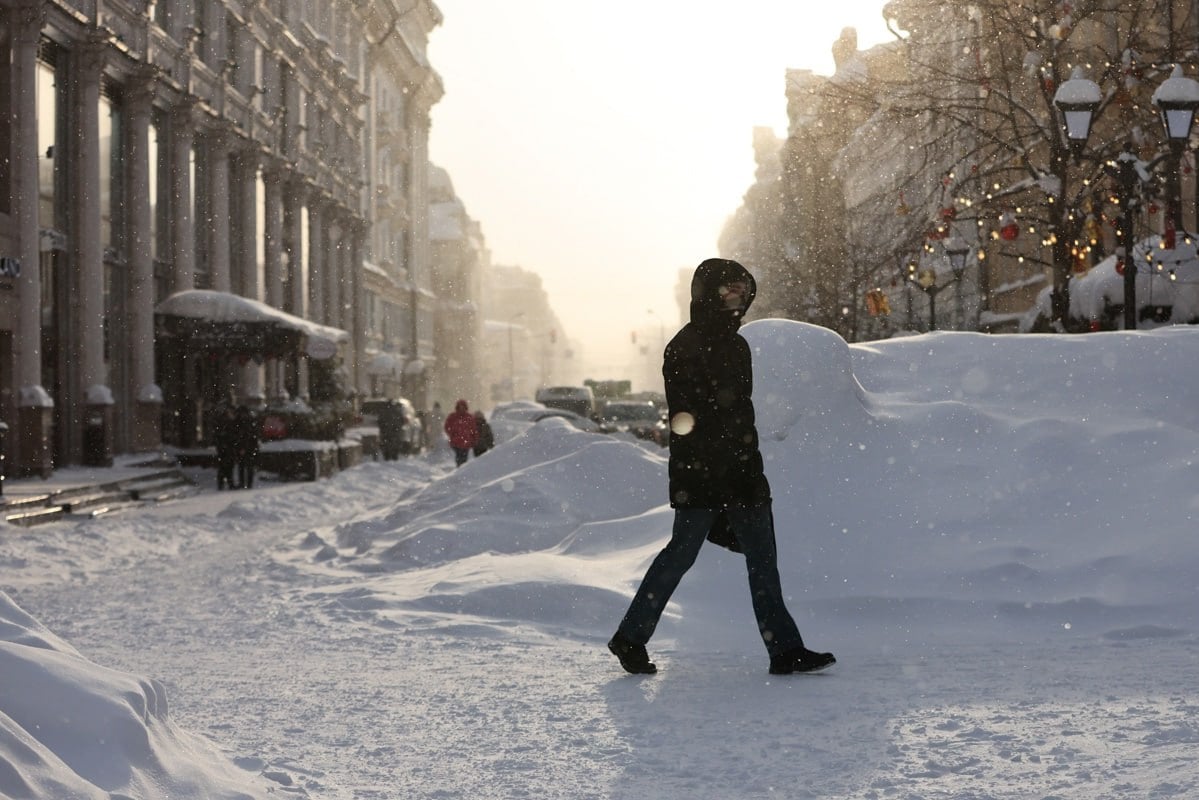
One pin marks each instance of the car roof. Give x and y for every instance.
(571, 390)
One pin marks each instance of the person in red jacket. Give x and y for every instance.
(462, 431)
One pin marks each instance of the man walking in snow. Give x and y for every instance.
(718, 488)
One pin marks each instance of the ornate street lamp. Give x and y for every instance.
(957, 250)
(1078, 99)
(926, 279)
(1177, 99)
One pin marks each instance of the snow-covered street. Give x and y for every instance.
(995, 535)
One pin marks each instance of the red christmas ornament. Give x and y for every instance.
(1119, 266)
(1009, 228)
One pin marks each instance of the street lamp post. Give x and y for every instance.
(661, 328)
(661, 345)
(926, 279)
(512, 357)
(1177, 100)
(1125, 172)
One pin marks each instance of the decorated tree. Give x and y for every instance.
(986, 153)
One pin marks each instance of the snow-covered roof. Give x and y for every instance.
(223, 307)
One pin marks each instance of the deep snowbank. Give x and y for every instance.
(73, 729)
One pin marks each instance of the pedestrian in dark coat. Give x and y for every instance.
(718, 487)
(463, 433)
(486, 439)
(224, 437)
(246, 438)
(391, 430)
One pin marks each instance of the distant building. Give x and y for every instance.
(460, 260)
(523, 343)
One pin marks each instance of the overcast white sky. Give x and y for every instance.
(604, 144)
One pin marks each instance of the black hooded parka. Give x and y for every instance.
(714, 458)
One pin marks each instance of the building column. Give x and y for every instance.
(220, 145)
(248, 283)
(244, 231)
(355, 321)
(34, 455)
(316, 259)
(334, 234)
(95, 405)
(349, 273)
(293, 248)
(147, 413)
(183, 240)
(273, 181)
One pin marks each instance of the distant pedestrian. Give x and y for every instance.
(391, 430)
(246, 438)
(462, 431)
(224, 436)
(486, 439)
(434, 427)
(718, 485)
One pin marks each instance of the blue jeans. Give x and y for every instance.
(754, 529)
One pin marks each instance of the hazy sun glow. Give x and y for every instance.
(603, 145)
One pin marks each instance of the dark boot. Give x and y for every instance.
(801, 659)
(632, 656)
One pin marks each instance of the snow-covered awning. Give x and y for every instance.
(233, 323)
(384, 364)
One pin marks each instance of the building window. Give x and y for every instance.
(232, 54)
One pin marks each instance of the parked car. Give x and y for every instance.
(579, 399)
(580, 422)
(638, 417)
(377, 410)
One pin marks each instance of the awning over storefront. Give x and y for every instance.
(223, 323)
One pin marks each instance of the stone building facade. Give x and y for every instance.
(273, 150)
